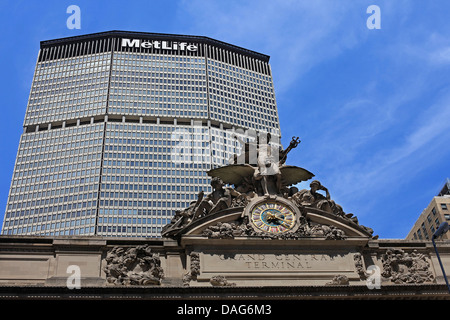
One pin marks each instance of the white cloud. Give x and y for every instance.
(297, 35)
(441, 56)
(394, 165)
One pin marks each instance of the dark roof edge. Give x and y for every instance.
(178, 37)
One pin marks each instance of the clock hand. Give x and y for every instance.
(272, 218)
(279, 218)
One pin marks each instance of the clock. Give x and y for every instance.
(273, 217)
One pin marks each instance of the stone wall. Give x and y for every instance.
(199, 262)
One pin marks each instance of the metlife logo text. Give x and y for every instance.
(165, 45)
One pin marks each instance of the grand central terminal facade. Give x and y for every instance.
(255, 236)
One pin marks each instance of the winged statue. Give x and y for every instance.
(269, 176)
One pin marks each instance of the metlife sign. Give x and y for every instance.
(156, 44)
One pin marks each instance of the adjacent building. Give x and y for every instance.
(432, 216)
(121, 127)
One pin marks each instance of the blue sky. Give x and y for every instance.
(371, 106)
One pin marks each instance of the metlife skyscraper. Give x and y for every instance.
(121, 127)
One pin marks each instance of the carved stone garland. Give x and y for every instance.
(133, 266)
(194, 269)
(358, 259)
(402, 267)
(236, 229)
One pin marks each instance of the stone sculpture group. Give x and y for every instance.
(267, 176)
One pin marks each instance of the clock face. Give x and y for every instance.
(272, 217)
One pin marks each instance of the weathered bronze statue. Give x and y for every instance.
(269, 175)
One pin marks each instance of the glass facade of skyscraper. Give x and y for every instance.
(121, 127)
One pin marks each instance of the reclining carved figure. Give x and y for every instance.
(311, 198)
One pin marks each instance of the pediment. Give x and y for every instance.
(236, 222)
(249, 200)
